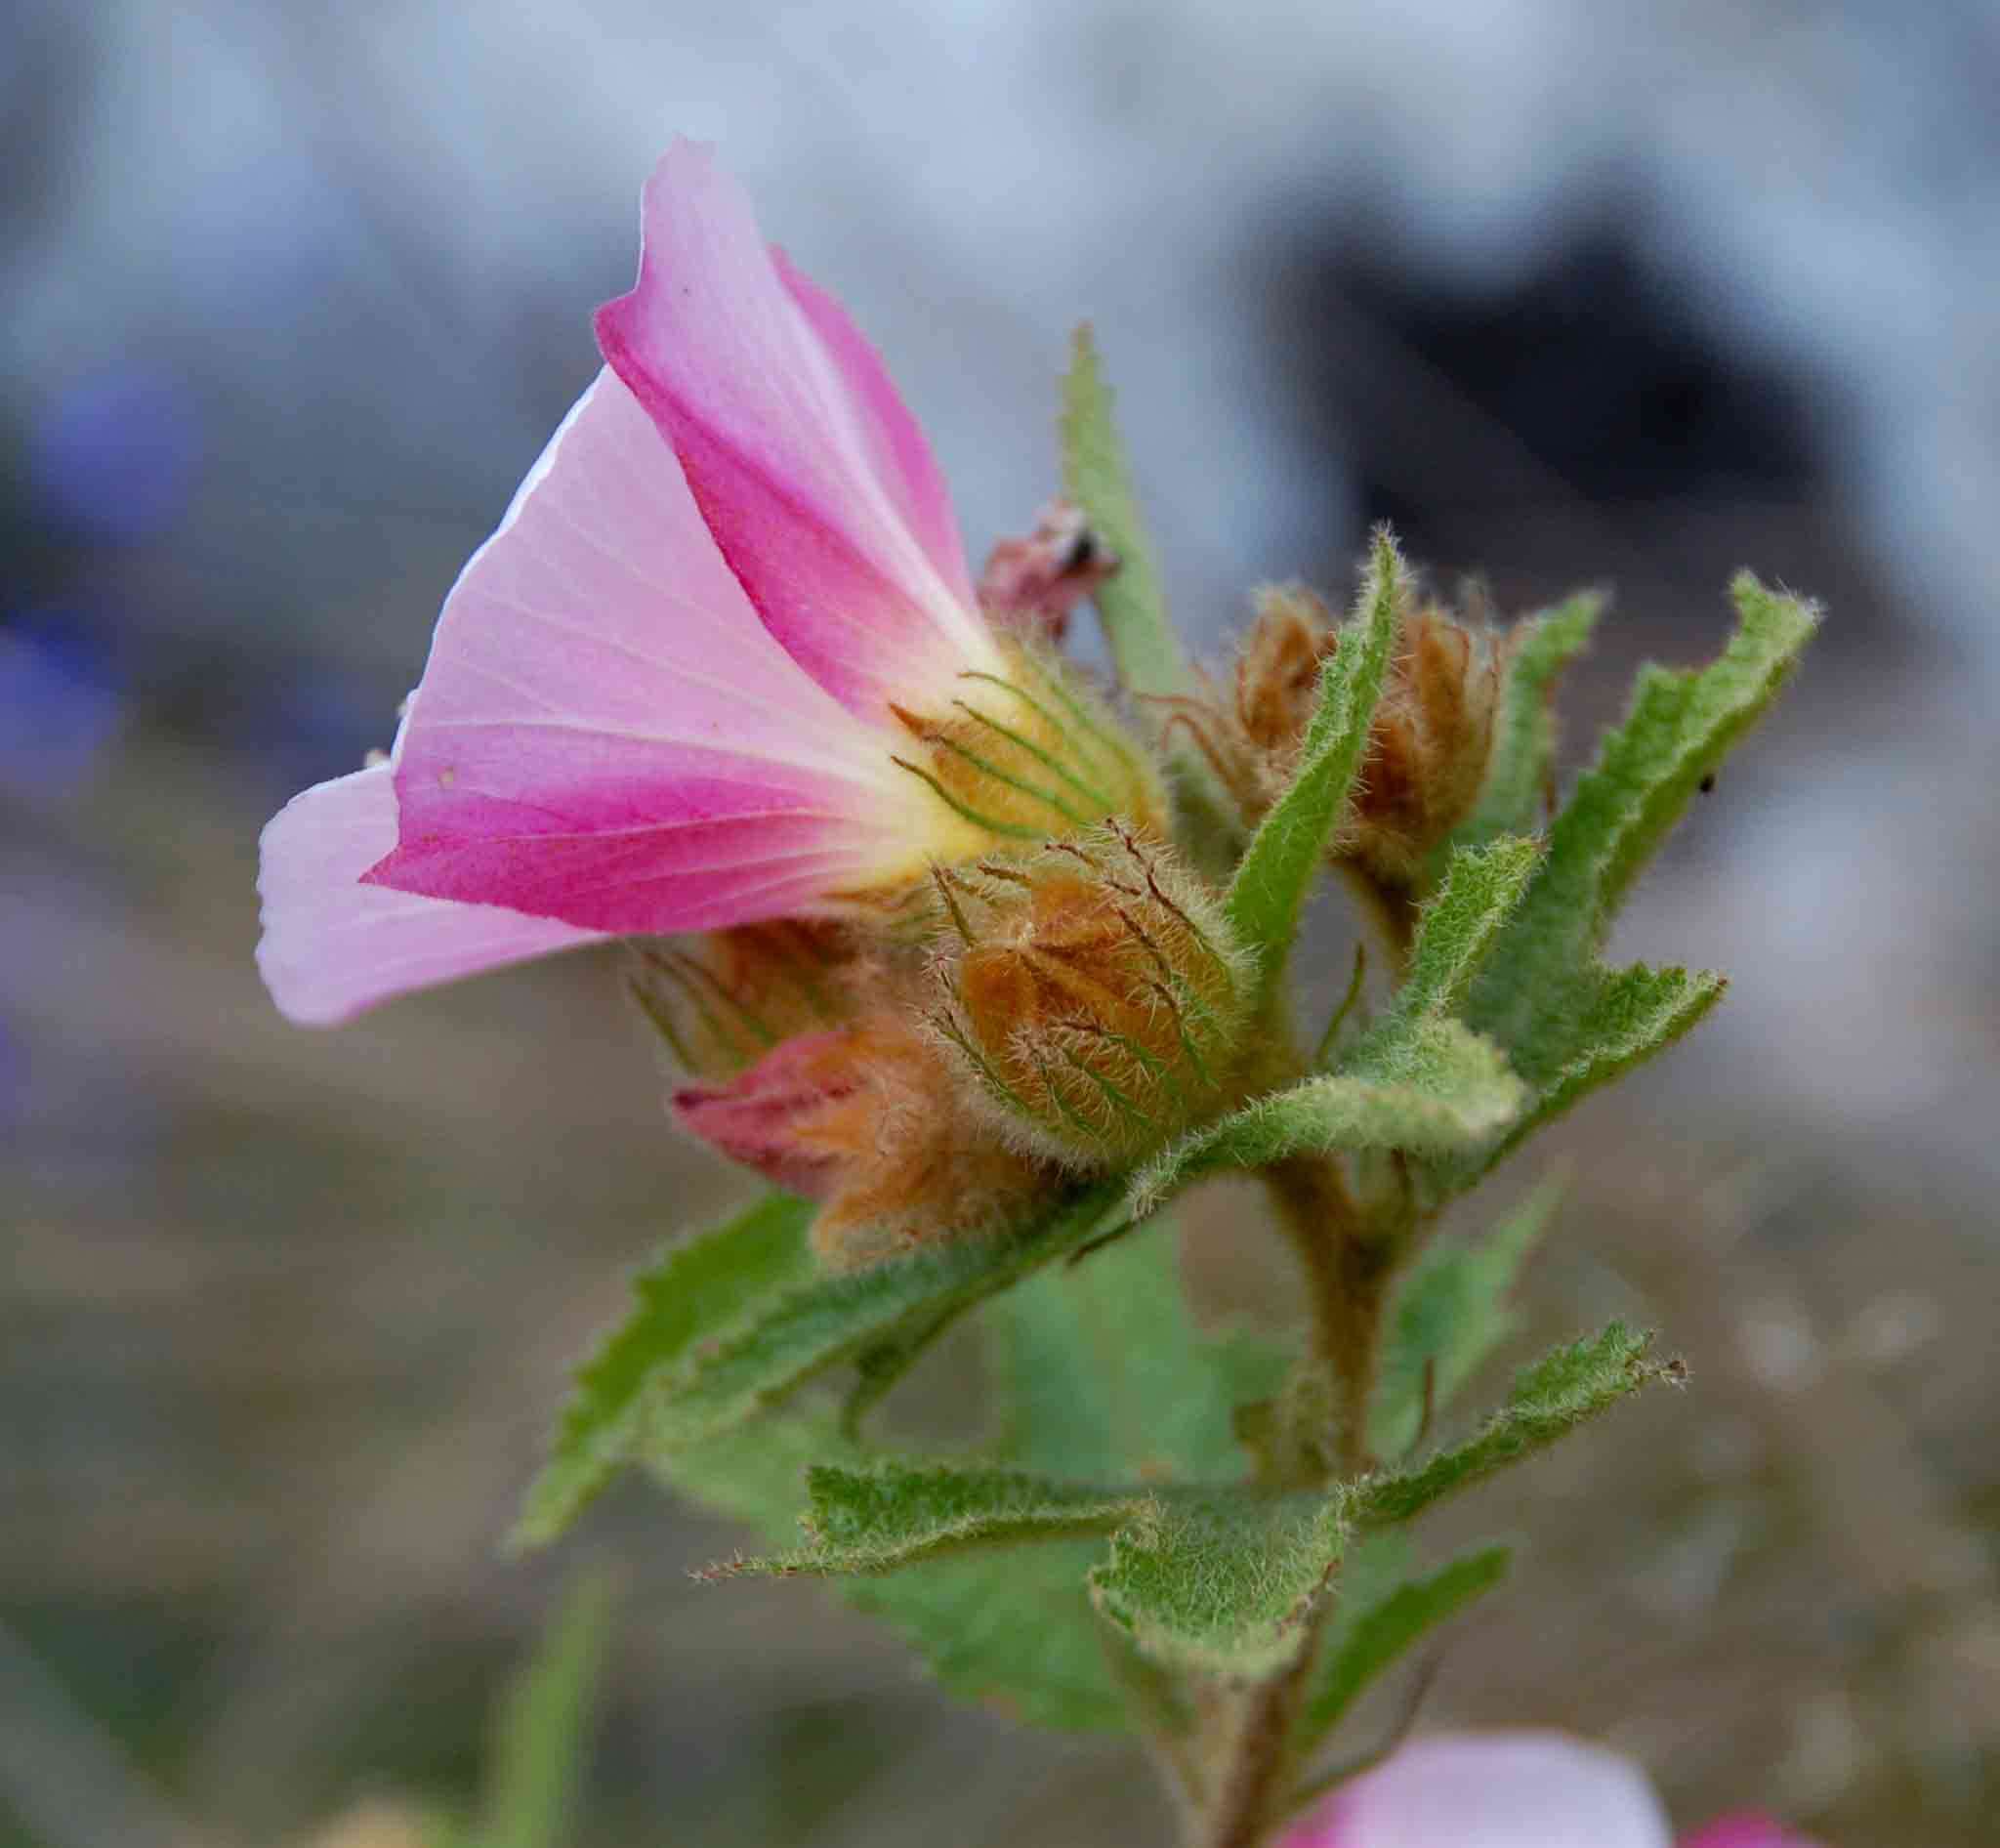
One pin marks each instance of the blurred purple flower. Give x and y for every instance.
(59, 703)
(114, 455)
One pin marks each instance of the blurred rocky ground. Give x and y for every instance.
(1626, 294)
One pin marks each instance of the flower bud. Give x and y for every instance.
(1095, 997)
(1428, 748)
(1029, 754)
(865, 1121)
(722, 1001)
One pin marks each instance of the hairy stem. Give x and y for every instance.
(1250, 1790)
(1348, 1262)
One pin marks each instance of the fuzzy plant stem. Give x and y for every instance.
(1347, 1263)
(1250, 1790)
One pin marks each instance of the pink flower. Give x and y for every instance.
(1744, 1830)
(669, 692)
(1523, 1789)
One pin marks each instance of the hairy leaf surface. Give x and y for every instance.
(1554, 1396)
(1426, 1086)
(1567, 1023)
(801, 1329)
(875, 1520)
(1679, 726)
(1013, 1628)
(1221, 1583)
(1459, 927)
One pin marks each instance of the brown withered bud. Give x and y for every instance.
(1428, 748)
(1094, 997)
(722, 1001)
(1032, 584)
(865, 1119)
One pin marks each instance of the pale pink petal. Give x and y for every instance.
(605, 733)
(814, 478)
(332, 947)
(1497, 1790)
(1745, 1829)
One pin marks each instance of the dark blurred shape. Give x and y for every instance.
(1585, 402)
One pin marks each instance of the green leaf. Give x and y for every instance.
(1220, 1583)
(1372, 1633)
(1554, 1396)
(1567, 1023)
(1682, 727)
(1288, 851)
(1095, 472)
(800, 1330)
(1451, 1313)
(1517, 778)
(536, 1771)
(869, 1521)
(1104, 1376)
(696, 1289)
(1426, 1086)
(1459, 927)
(1012, 1628)
(1621, 1018)
(1679, 726)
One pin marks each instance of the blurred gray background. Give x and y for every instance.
(1572, 293)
